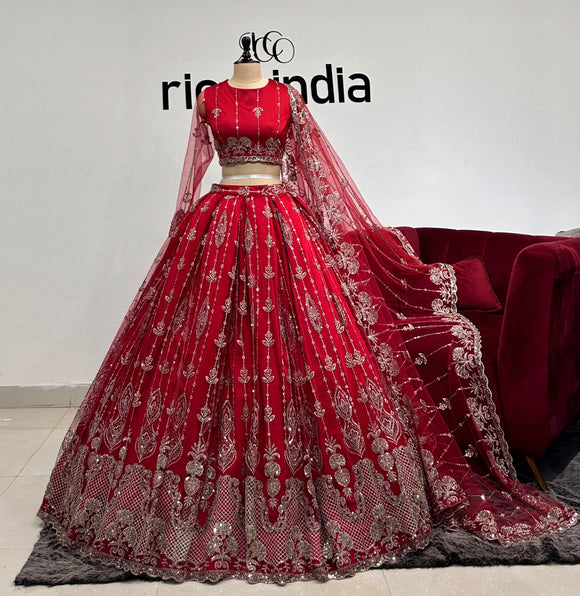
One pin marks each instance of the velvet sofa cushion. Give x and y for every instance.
(474, 289)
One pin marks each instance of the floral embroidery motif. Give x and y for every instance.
(220, 232)
(223, 546)
(242, 150)
(227, 447)
(272, 471)
(116, 426)
(313, 313)
(286, 229)
(351, 429)
(146, 442)
(264, 448)
(248, 236)
(293, 452)
(252, 455)
(202, 318)
(171, 446)
(287, 329)
(387, 361)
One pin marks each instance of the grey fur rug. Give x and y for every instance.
(52, 564)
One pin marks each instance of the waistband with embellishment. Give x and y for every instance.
(234, 189)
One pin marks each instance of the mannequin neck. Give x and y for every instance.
(248, 75)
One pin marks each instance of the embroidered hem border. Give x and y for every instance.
(320, 573)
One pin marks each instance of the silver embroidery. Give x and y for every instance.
(227, 447)
(313, 313)
(220, 232)
(351, 429)
(248, 236)
(146, 442)
(202, 318)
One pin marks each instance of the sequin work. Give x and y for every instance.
(261, 414)
(245, 447)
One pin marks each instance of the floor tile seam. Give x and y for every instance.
(50, 428)
(3, 411)
(65, 411)
(388, 585)
(60, 429)
(9, 485)
(59, 407)
(28, 476)
(19, 427)
(30, 459)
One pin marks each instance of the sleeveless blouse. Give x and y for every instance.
(248, 125)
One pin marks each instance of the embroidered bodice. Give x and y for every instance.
(248, 124)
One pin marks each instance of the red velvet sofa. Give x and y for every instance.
(531, 344)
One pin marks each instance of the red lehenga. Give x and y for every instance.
(292, 394)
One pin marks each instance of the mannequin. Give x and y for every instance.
(247, 75)
(258, 414)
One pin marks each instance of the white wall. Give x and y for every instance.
(474, 123)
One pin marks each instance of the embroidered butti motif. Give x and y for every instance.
(272, 408)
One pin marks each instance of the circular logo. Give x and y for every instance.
(270, 46)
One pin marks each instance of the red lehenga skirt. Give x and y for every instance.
(240, 426)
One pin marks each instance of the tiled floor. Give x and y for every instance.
(29, 441)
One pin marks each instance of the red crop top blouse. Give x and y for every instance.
(248, 124)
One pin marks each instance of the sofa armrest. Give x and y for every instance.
(539, 347)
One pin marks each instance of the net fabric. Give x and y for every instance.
(198, 157)
(194, 459)
(315, 171)
(428, 354)
(291, 395)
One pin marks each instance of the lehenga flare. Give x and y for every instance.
(292, 394)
